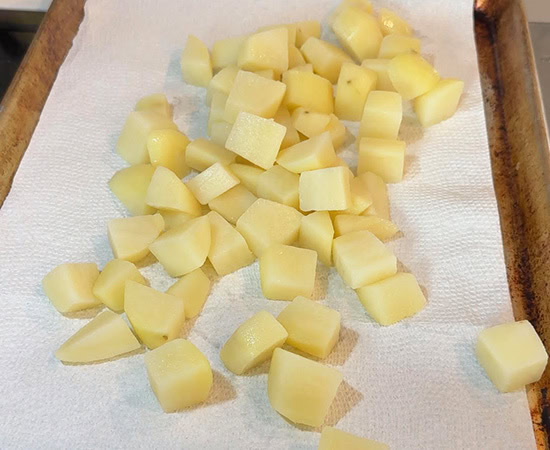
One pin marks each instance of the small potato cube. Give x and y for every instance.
(391, 23)
(265, 50)
(219, 131)
(392, 299)
(291, 28)
(383, 229)
(300, 389)
(380, 67)
(304, 68)
(167, 191)
(360, 197)
(252, 343)
(308, 90)
(412, 75)
(104, 337)
(305, 30)
(130, 186)
(279, 185)
(225, 52)
(358, 32)
(267, 223)
(256, 139)
(156, 317)
(202, 153)
(382, 115)
(248, 175)
(179, 375)
(109, 286)
(156, 103)
(232, 204)
(295, 57)
(325, 189)
(291, 136)
(193, 288)
(316, 233)
(69, 286)
(327, 59)
(354, 84)
(175, 218)
(439, 103)
(379, 193)
(195, 63)
(211, 183)
(217, 109)
(312, 328)
(311, 154)
(384, 157)
(337, 131)
(167, 148)
(221, 83)
(334, 439)
(360, 259)
(310, 123)
(512, 355)
(130, 236)
(395, 44)
(267, 73)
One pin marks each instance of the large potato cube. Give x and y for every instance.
(394, 44)
(306, 29)
(392, 299)
(232, 204)
(325, 189)
(193, 288)
(391, 23)
(156, 103)
(167, 148)
(379, 193)
(380, 67)
(327, 59)
(291, 137)
(211, 183)
(226, 52)
(354, 84)
(279, 185)
(383, 229)
(358, 32)
(334, 439)
(308, 90)
(311, 154)
(265, 50)
(300, 389)
(382, 115)
(412, 75)
(384, 157)
(316, 233)
(166, 191)
(248, 175)
(202, 153)
(130, 186)
(310, 123)
(439, 103)
(195, 63)
(179, 374)
(221, 83)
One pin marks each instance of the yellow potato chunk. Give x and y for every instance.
(354, 84)
(267, 73)
(360, 259)
(279, 185)
(327, 59)
(195, 63)
(252, 343)
(211, 183)
(291, 137)
(69, 286)
(291, 29)
(193, 288)
(265, 50)
(104, 337)
(267, 223)
(109, 286)
(312, 328)
(325, 189)
(380, 67)
(295, 57)
(221, 83)
(304, 68)
(308, 90)
(395, 44)
(337, 131)
(166, 191)
(202, 153)
(167, 148)
(392, 299)
(310, 123)
(219, 131)
(232, 204)
(226, 52)
(358, 32)
(184, 248)
(179, 375)
(248, 175)
(300, 389)
(384, 157)
(383, 229)
(256, 139)
(316, 233)
(156, 103)
(391, 23)
(311, 154)
(175, 218)
(512, 355)
(130, 186)
(130, 236)
(305, 30)
(217, 109)
(382, 115)
(334, 439)
(156, 317)
(439, 103)
(379, 193)
(360, 197)
(412, 75)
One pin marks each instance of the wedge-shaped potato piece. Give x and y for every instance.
(354, 84)
(512, 355)
(130, 186)
(379, 193)
(325, 189)
(167, 148)
(316, 233)
(166, 191)
(130, 236)
(195, 63)
(311, 154)
(175, 218)
(327, 59)
(412, 75)
(291, 137)
(104, 337)
(395, 44)
(267, 223)
(300, 389)
(221, 82)
(211, 183)
(439, 103)
(252, 343)
(392, 299)
(312, 328)
(265, 50)
(310, 123)
(156, 103)
(383, 229)
(333, 439)
(279, 185)
(391, 23)
(69, 286)
(232, 204)
(184, 248)
(382, 115)
(308, 90)
(384, 157)
(337, 131)
(219, 132)
(256, 139)
(225, 52)
(305, 30)
(360, 259)
(179, 374)
(202, 153)
(290, 27)
(295, 57)
(109, 286)
(358, 32)
(248, 175)
(193, 288)
(380, 67)
(360, 197)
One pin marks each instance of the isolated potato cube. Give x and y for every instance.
(325, 189)
(439, 103)
(130, 187)
(219, 131)
(384, 157)
(211, 183)
(265, 50)
(291, 137)
(311, 154)
(173, 219)
(300, 389)
(225, 52)
(195, 63)
(358, 32)
(337, 131)
(391, 23)
(309, 123)
(248, 175)
(193, 288)
(295, 57)
(156, 103)
(379, 193)
(392, 299)
(232, 204)
(354, 84)
(394, 44)
(202, 153)
(279, 185)
(179, 375)
(166, 191)
(334, 439)
(380, 67)
(412, 75)
(327, 59)
(383, 229)
(222, 82)
(306, 29)
(167, 148)
(382, 115)
(308, 90)
(316, 233)
(69, 286)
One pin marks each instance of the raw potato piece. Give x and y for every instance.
(193, 289)
(130, 236)
(394, 44)
(327, 59)
(310, 123)
(305, 30)
(295, 57)
(202, 153)
(167, 148)
(179, 374)
(412, 75)
(130, 186)
(287, 272)
(252, 343)
(304, 68)
(300, 389)
(226, 52)
(174, 219)
(109, 286)
(360, 197)
(316, 233)
(380, 67)
(211, 183)
(248, 175)
(439, 103)
(219, 132)
(383, 229)
(337, 131)
(291, 136)
(354, 84)
(512, 355)
(166, 191)
(217, 110)
(232, 204)
(382, 115)
(308, 90)
(265, 50)
(156, 103)
(267, 73)
(391, 23)
(291, 29)
(221, 83)
(312, 327)
(315, 153)
(380, 205)
(393, 299)
(279, 185)
(69, 286)
(325, 189)
(384, 157)
(196, 67)
(334, 439)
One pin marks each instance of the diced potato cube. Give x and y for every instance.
(130, 236)
(382, 115)
(412, 75)
(179, 374)
(279, 185)
(167, 191)
(290, 27)
(232, 204)
(358, 32)
(325, 189)
(439, 103)
(217, 109)
(309, 123)
(156, 103)
(130, 186)
(248, 175)
(104, 337)
(300, 389)
(256, 139)
(202, 153)
(311, 154)
(379, 193)
(211, 183)
(175, 218)
(394, 44)
(193, 288)
(334, 439)
(384, 157)
(295, 57)
(291, 136)
(312, 328)
(69, 286)
(156, 317)
(196, 66)
(383, 229)
(305, 30)
(360, 259)
(512, 355)
(354, 85)
(392, 299)
(308, 90)
(380, 67)
(167, 148)
(360, 197)
(316, 233)
(304, 68)
(252, 343)
(265, 50)
(221, 82)
(391, 23)
(327, 59)
(226, 52)
(109, 286)
(219, 131)
(267, 223)
(337, 131)
(267, 73)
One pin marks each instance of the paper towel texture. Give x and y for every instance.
(414, 385)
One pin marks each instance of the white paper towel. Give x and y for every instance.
(414, 385)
